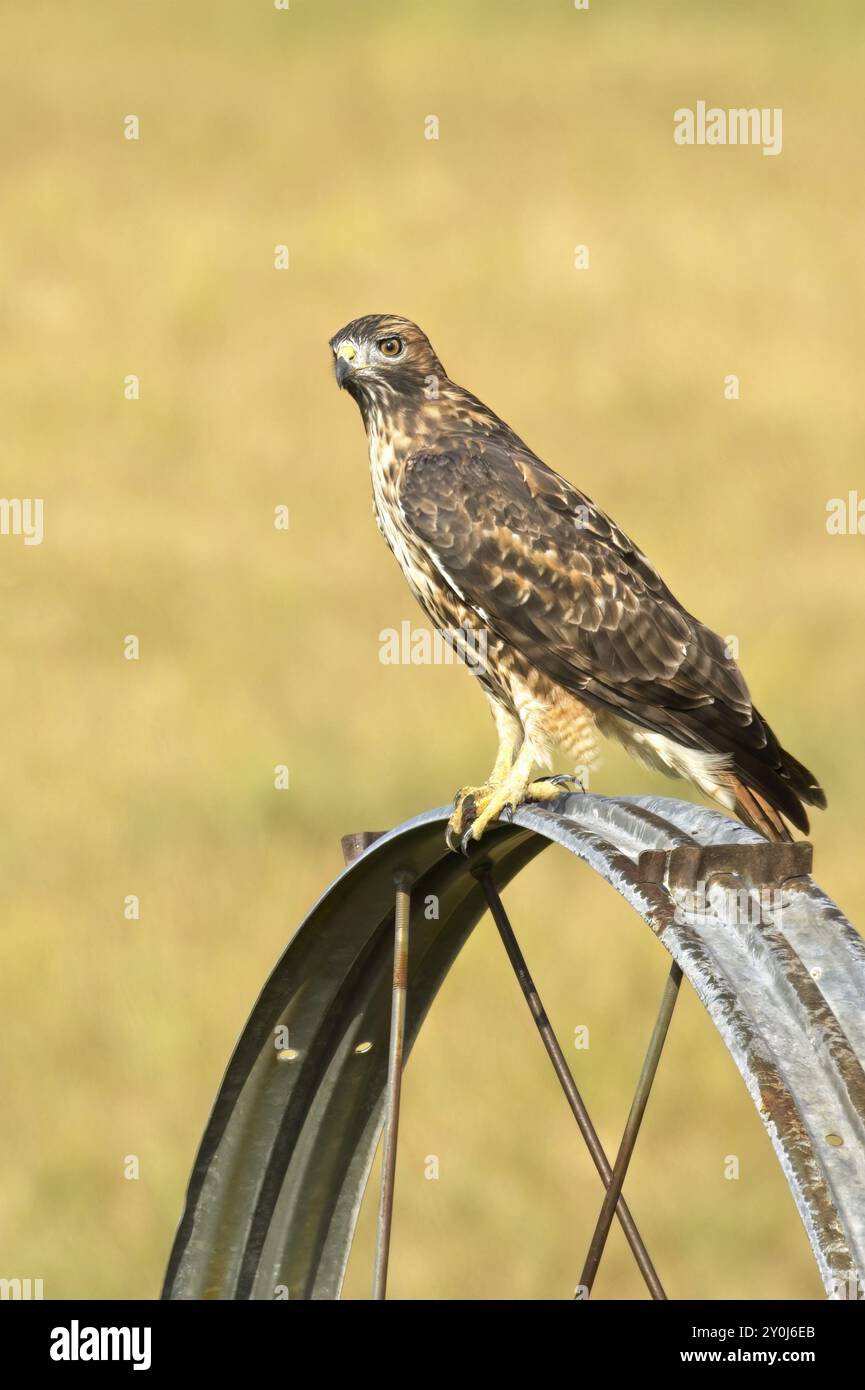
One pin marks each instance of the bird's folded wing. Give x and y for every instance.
(554, 577)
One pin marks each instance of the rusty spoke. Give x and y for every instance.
(632, 1129)
(402, 909)
(566, 1080)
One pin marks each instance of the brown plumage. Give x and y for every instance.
(581, 632)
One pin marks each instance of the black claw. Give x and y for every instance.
(466, 842)
(457, 839)
(507, 812)
(564, 779)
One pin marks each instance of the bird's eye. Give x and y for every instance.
(390, 347)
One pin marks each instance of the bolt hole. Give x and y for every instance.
(364, 1047)
(835, 1140)
(288, 1054)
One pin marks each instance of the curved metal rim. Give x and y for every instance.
(277, 1184)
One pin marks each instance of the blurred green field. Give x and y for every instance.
(260, 647)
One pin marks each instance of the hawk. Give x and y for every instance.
(571, 629)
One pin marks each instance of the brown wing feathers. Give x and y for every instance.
(555, 578)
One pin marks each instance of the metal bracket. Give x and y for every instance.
(354, 845)
(759, 865)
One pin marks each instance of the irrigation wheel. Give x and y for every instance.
(277, 1184)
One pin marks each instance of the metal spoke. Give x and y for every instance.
(402, 909)
(566, 1080)
(632, 1128)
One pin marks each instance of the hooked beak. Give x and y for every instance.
(345, 356)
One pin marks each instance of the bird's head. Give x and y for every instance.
(382, 358)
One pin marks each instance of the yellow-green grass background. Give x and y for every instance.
(258, 647)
